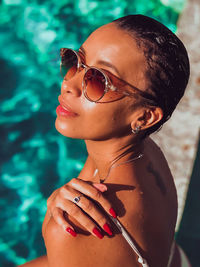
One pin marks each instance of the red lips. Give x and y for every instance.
(63, 109)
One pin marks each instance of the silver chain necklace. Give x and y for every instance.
(114, 165)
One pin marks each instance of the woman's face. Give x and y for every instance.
(101, 121)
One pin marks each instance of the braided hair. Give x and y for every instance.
(167, 62)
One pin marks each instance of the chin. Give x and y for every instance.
(68, 130)
(65, 130)
(77, 132)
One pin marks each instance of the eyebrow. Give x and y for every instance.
(103, 62)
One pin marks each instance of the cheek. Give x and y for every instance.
(96, 121)
(120, 118)
(107, 121)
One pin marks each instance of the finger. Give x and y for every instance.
(74, 211)
(51, 197)
(94, 193)
(72, 196)
(87, 205)
(57, 214)
(93, 211)
(101, 187)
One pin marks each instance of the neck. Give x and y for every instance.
(108, 152)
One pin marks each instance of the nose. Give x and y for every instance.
(72, 86)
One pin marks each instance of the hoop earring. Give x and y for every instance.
(136, 130)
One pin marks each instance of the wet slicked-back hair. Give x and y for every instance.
(167, 62)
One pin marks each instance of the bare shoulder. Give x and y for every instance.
(39, 262)
(86, 250)
(147, 203)
(157, 167)
(152, 147)
(145, 199)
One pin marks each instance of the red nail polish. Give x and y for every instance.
(112, 212)
(97, 233)
(69, 230)
(106, 227)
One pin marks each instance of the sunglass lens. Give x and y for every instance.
(94, 84)
(69, 62)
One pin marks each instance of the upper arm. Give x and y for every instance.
(60, 246)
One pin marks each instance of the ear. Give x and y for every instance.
(147, 118)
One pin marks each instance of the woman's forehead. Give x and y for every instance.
(115, 46)
(111, 42)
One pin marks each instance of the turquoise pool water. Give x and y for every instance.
(35, 159)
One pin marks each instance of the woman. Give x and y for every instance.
(122, 85)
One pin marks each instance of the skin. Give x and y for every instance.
(142, 192)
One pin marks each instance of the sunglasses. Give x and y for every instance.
(97, 83)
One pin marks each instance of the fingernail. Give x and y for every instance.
(106, 227)
(112, 212)
(97, 233)
(101, 187)
(69, 230)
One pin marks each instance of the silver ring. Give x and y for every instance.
(77, 199)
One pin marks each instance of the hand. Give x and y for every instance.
(63, 199)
